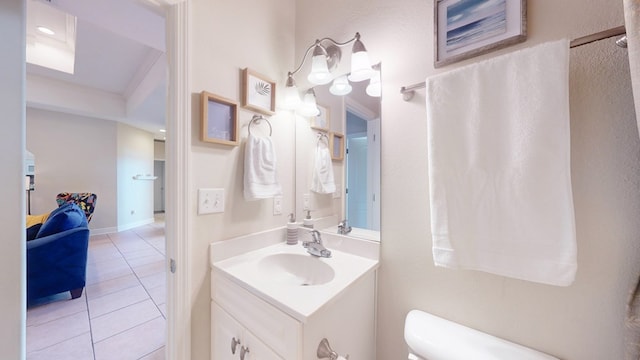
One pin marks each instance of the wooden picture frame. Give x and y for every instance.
(219, 119)
(258, 92)
(322, 121)
(336, 146)
(469, 28)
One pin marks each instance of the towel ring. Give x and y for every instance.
(256, 119)
(321, 136)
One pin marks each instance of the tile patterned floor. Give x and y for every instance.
(120, 315)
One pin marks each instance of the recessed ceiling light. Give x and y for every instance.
(46, 30)
(163, 130)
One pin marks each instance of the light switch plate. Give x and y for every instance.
(338, 193)
(210, 201)
(277, 205)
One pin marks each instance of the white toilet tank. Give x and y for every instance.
(433, 338)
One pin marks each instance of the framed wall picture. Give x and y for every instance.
(336, 142)
(321, 122)
(219, 122)
(258, 92)
(468, 28)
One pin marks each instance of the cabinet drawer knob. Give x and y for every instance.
(243, 351)
(234, 344)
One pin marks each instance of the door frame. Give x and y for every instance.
(178, 219)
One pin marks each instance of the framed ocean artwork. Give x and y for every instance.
(468, 28)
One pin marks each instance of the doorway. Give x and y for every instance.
(160, 205)
(158, 187)
(357, 182)
(362, 171)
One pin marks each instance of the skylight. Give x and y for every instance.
(51, 37)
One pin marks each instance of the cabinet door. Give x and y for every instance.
(227, 332)
(224, 330)
(257, 349)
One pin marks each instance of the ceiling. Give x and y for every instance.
(120, 65)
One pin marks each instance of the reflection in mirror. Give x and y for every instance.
(362, 172)
(356, 117)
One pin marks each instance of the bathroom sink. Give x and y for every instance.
(296, 269)
(287, 277)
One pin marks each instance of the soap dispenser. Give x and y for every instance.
(292, 230)
(308, 221)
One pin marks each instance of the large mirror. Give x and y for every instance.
(354, 120)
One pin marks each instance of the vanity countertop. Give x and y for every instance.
(255, 271)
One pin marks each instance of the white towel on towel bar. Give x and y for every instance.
(499, 166)
(260, 176)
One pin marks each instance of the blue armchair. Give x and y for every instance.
(57, 257)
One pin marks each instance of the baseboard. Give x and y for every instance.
(136, 224)
(111, 230)
(102, 231)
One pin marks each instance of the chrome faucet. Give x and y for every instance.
(343, 227)
(315, 246)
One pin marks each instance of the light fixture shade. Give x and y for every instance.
(319, 74)
(291, 98)
(308, 106)
(340, 86)
(374, 88)
(360, 66)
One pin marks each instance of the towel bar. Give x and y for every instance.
(409, 91)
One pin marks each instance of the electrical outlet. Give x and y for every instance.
(305, 202)
(277, 205)
(210, 201)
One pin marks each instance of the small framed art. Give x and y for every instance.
(321, 122)
(336, 143)
(258, 92)
(219, 121)
(469, 28)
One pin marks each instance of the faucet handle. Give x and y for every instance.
(343, 227)
(315, 235)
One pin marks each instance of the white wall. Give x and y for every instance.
(74, 154)
(583, 321)
(12, 142)
(80, 154)
(135, 152)
(226, 37)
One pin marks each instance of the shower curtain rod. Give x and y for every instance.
(408, 91)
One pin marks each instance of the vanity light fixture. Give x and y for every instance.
(340, 86)
(319, 74)
(291, 97)
(374, 88)
(326, 55)
(309, 107)
(360, 64)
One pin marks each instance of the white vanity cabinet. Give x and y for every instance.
(269, 332)
(230, 340)
(279, 302)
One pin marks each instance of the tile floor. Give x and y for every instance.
(120, 315)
